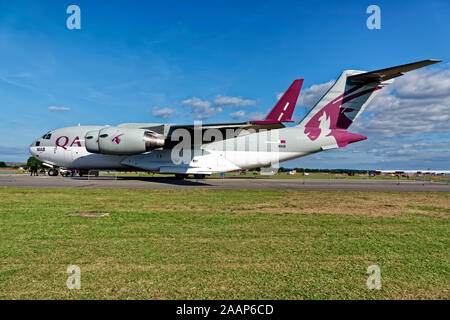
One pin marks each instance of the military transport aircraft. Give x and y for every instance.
(212, 148)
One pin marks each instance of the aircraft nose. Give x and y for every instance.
(32, 148)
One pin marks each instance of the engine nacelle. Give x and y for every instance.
(91, 141)
(122, 141)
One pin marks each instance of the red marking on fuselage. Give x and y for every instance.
(116, 139)
(66, 140)
(76, 141)
(58, 142)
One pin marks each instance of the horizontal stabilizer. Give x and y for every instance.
(389, 73)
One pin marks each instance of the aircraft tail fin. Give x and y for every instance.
(350, 95)
(283, 110)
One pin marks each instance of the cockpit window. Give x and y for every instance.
(38, 143)
(48, 136)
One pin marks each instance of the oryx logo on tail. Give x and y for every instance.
(339, 107)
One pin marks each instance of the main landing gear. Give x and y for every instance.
(52, 172)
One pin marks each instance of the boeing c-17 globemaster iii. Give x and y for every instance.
(215, 148)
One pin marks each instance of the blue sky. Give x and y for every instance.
(132, 56)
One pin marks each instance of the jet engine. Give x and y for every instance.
(122, 141)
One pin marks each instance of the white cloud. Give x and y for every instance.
(238, 114)
(197, 102)
(407, 149)
(202, 109)
(242, 115)
(424, 83)
(415, 103)
(233, 101)
(164, 113)
(311, 95)
(256, 115)
(55, 108)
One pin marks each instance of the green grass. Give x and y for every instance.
(202, 244)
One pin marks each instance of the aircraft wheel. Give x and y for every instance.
(83, 173)
(180, 176)
(199, 176)
(52, 172)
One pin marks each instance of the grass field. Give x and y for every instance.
(196, 244)
(249, 175)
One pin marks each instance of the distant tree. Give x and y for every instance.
(2, 164)
(281, 169)
(32, 161)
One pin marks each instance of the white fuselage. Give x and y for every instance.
(66, 148)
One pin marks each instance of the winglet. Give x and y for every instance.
(283, 110)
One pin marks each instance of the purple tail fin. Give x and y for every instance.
(349, 96)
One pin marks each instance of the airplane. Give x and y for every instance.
(202, 150)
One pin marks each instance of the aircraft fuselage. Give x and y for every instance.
(65, 147)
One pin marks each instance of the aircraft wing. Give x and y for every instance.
(224, 128)
(389, 73)
(233, 125)
(167, 129)
(281, 112)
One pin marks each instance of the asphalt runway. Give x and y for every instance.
(228, 183)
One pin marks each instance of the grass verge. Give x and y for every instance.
(204, 244)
